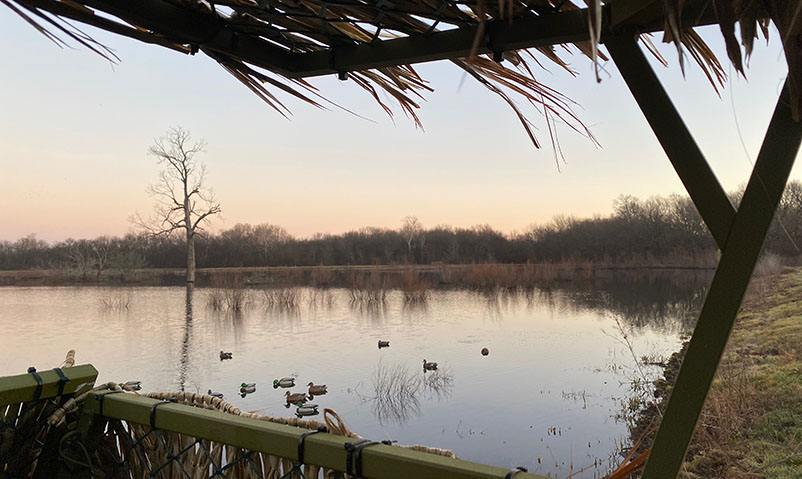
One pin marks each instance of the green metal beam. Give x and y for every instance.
(326, 450)
(675, 138)
(21, 388)
(726, 292)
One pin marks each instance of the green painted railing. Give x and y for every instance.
(22, 387)
(323, 449)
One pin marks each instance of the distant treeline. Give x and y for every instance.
(657, 230)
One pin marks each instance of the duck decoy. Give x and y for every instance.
(384, 344)
(247, 385)
(305, 410)
(215, 394)
(284, 383)
(132, 385)
(317, 389)
(429, 366)
(296, 398)
(247, 389)
(224, 355)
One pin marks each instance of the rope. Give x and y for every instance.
(333, 422)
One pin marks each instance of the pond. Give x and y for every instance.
(548, 396)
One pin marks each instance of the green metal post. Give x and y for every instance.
(723, 300)
(675, 138)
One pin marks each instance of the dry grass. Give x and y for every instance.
(118, 301)
(416, 290)
(751, 425)
(396, 392)
(281, 298)
(367, 289)
(228, 293)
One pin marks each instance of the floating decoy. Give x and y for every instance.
(317, 390)
(306, 411)
(224, 355)
(247, 385)
(295, 398)
(384, 344)
(214, 394)
(284, 383)
(429, 366)
(132, 385)
(247, 389)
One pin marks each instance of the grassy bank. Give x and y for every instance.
(751, 426)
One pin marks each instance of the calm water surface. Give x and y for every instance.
(545, 398)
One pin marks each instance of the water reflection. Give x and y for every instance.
(543, 342)
(396, 393)
(185, 343)
(438, 384)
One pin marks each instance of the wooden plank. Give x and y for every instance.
(326, 450)
(762, 195)
(21, 388)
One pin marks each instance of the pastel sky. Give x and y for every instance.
(74, 131)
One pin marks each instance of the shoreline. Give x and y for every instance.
(751, 425)
(435, 275)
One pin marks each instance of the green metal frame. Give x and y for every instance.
(326, 450)
(740, 236)
(21, 388)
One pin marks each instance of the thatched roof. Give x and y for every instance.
(272, 46)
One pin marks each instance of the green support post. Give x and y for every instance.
(675, 138)
(726, 292)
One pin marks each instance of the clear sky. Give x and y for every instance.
(74, 131)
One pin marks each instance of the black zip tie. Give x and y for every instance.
(515, 471)
(63, 380)
(101, 396)
(153, 410)
(358, 455)
(351, 447)
(37, 393)
(303, 438)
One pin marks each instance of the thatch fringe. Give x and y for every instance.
(307, 26)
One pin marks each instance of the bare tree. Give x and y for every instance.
(412, 231)
(183, 203)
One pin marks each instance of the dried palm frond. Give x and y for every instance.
(300, 27)
(753, 16)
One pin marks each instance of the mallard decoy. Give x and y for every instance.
(247, 385)
(317, 390)
(295, 398)
(429, 366)
(305, 410)
(248, 389)
(214, 394)
(384, 344)
(284, 383)
(132, 385)
(224, 355)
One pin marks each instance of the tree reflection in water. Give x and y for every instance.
(184, 358)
